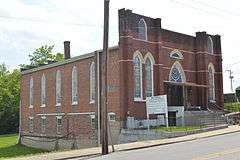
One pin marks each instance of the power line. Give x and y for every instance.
(199, 9)
(46, 21)
(216, 8)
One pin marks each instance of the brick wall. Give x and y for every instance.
(160, 44)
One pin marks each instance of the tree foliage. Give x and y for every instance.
(9, 100)
(238, 93)
(42, 56)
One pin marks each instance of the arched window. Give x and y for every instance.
(43, 91)
(74, 86)
(149, 76)
(211, 82)
(210, 45)
(142, 29)
(137, 78)
(31, 93)
(177, 73)
(58, 88)
(92, 83)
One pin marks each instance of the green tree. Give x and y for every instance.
(9, 100)
(238, 93)
(42, 56)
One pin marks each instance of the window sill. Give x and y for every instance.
(74, 103)
(30, 106)
(212, 101)
(58, 105)
(92, 102)
(139, 100)
(42, 106)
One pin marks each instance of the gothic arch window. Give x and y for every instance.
(31, 93)
(142, 29)
(149, 61)
(177, 73)
(137, 60)
(92, 83)
(58, 88)
(74, 86)
(175, 54)
(43, 91)
(210, 45)
(211, 80)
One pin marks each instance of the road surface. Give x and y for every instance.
(224, 147)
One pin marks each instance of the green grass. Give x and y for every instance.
(176, 128)
(234, 107)
(10, 148)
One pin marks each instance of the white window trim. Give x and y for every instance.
(211, 41)
(74, 102)
(43, 130)
(92, 101)
(151, 58)
(31, 93)
(90, 88)
(110, 114)
(146, 29)
(58, 105)
(214, 89)
(31, 130)
(137, 53)
(42, 106)
(57, 118)
(175, 51)
(58, 74)
(41, 98)
(179, 66)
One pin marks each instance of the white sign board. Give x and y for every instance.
(157, 105)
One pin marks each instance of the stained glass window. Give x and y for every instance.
(58, 88)
(92, 82)
(176, 75)
(211, 84)
(74, 86)
(149, 78)
(137, 77)
(142, 30)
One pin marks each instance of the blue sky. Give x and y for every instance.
(28, 24)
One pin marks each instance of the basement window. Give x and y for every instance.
(111, 116)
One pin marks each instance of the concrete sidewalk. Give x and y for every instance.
(128, 146)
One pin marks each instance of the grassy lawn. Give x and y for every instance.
(10, 148)
(176, 128)
(234, 107)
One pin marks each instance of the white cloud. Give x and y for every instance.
(42, 22)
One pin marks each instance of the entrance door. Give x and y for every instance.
(175, 95)
(172, 121)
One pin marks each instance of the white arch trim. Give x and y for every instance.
(180, 68)
(139, 55)
(211, 66)
(146, 29)
(176, 51)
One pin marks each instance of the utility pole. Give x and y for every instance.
(104, 84)
(231, 78)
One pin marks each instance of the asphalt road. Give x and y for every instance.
(224, 147)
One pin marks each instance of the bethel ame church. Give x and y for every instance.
(59, 100)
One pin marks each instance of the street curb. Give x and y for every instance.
(167, 143)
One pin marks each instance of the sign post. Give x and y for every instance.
(157, 105)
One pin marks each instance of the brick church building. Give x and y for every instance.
(59, 101)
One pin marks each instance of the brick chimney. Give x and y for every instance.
(67, 50)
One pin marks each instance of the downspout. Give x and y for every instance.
(98, 97)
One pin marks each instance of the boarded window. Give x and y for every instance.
(74, 86)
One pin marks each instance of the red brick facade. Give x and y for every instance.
(76, 120)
